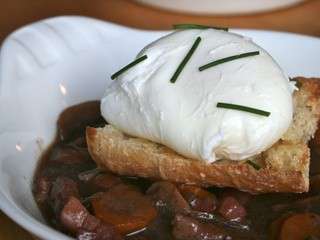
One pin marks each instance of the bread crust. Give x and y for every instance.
(125, 155)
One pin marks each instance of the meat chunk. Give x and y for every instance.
(42, 189)
(160, 228)
(76, 219)
(74, 214)
(231, 209)
(103, 182)
(73, 120)
(187, 228)
(198, 198)
(103, 232)
(88, 175)
(166, 194)
(83, 235)
(242, 197)
(80, 142)
(69, 155)
(124, 207)
(62, 189)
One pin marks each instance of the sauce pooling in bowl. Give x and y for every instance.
(85, 202)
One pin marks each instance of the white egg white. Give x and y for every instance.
(142, 101)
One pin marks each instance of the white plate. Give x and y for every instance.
(50, 65)
(220, 6)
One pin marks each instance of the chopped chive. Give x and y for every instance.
(297, 83)
(197, 26)
(228, 59)
(243, 108)
(253, 164)
(130, 65)
(185, 60)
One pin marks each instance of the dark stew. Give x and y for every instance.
(77, 198)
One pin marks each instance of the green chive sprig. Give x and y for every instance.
(243, 108)
(253, 164)
(185, 60)
(197, 26)
(297, 83)
(130, 65)
(228, 59)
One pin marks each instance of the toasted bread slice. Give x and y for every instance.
(282, 168)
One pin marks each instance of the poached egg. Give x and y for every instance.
(184, 116)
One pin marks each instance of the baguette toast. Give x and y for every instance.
(282, 168)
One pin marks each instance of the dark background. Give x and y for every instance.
(304, 18)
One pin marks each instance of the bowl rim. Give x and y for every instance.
(221, 10)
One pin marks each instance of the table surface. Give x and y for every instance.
(303, 18)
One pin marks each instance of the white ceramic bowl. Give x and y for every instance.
(52, 64)
(220, 6)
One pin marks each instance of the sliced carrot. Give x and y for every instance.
(300, 226)
(275, 227)
(124, 207)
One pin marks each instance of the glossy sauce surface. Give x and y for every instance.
(67, 184)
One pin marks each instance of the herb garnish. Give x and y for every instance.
(197, 26)
(185, 60)
(243, 108)
(130, 65)
(298, 84)
(228, 59)
(253, 164)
